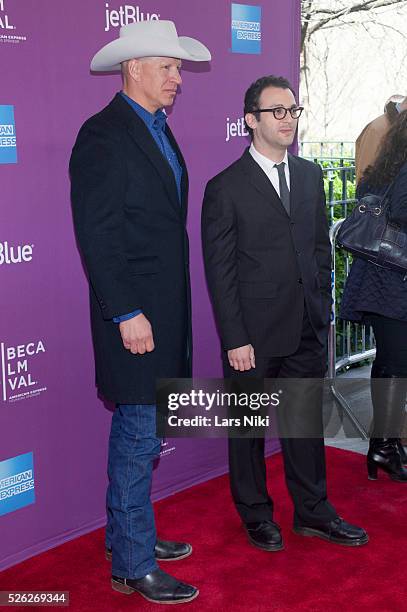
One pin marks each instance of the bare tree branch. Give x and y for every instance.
(331, 82)
(323, 17)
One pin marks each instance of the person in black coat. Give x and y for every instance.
(268, 265)
(378, 296)
(129, 198)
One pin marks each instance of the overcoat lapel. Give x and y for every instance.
(144, 140)
(184, 178)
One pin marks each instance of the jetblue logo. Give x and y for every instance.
(15, 254)
(126, 14)
(246, 28)
(17, 484)
(8, 142)
(235, 128)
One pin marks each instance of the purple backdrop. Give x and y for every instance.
(48, 403)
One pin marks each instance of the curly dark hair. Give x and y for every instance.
(392, 155)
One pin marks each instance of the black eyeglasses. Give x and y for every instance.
(280, 112)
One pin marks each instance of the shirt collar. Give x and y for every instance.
(265, 162)
(151, 120)
(160, 119)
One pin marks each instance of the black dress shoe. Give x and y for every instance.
(164, 551)
(265, 535)
(337, 531)
(157, 587)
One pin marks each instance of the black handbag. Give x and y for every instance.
(370, 234)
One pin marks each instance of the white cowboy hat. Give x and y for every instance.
(148, 39)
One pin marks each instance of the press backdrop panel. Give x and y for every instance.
(53, 427)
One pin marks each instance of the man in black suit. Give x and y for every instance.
(129, 196)
(268, 266)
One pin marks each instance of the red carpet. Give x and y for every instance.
(309, 574)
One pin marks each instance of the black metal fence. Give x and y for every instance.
(331, 150)
(354, 342)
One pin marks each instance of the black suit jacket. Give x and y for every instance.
(263, 265)
(130, 227)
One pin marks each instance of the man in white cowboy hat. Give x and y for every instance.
(129, 198)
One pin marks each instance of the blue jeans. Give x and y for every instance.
(130, 530)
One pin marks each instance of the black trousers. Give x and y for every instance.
(304, 458)
(389, 396)
(391, 344)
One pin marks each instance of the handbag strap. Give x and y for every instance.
(384, 196)
(383, 200)
(388, 189)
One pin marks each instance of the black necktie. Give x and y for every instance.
(284, 191)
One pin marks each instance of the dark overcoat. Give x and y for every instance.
(131, 230)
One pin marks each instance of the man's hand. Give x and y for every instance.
(242, 358)
(137, 335)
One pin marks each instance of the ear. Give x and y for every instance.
(251, 120)
(134, 68)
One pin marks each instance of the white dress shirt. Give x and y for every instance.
(268, 166)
